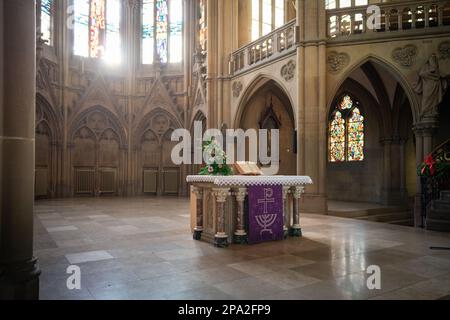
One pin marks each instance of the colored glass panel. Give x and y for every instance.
(162, 29)
(97, 29)
(337, 138)
(202, 25)
(355, 147)
(46, 20)
(346, 103)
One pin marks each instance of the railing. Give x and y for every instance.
(431, 187)
(394, 16)
(279, 42)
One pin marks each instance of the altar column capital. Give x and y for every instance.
(197, 191)
(240, 194)
(221, 194)
(298, 191)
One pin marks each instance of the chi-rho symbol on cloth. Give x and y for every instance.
(265, 213)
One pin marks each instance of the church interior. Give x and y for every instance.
(92, 92)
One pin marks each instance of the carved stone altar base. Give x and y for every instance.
(219, 210)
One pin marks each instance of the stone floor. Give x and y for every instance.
(142, 249)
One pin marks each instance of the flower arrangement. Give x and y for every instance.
(217, 162)
(433, 167)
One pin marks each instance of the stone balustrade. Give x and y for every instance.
(395, 17)
(278, 43)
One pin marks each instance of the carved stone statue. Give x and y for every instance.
(431, 86)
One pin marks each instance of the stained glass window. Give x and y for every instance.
(346, 103)
(162, 30)
(266, 16)
(202, 25)
(162, 24)
(97, 29)
(355, 132)
(47, 20)
(337, 138)
(346, 132)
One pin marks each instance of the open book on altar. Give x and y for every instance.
(247, 168)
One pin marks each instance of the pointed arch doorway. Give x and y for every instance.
(269, 107)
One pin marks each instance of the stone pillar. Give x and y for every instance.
(424, 132)
(199, 213)
(240, 236)
(221, 237)
(312, 108)
(387, 177)
(19, 273)
(418, 223)
(286, 215)
(296, 230)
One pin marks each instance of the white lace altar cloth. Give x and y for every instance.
(244, 181)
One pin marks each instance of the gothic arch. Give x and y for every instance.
(155, 172)
(147, 123)
(47, 140)
(45, 113)
(255, 85)
(393, 72)
(199, 116)
(107, 120)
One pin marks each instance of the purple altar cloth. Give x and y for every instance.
(265, 213)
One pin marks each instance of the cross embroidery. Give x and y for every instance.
(268, 198)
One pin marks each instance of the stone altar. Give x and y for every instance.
(217, 205)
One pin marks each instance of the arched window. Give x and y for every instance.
(266, 16)
(202, 25)
(162, 31)
(47, 21)
(97, 29)
(346, 132)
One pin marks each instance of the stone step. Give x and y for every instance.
(348, 214)
(441, 206)
(438, 214)
(388, 217)
(438, 225)
(404, 222)
(367, 212)
(445, 195)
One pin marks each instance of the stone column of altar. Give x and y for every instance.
(19, 273)
(240, 236)
(199, 213)
(221, 238)
(296, 230)
(286, 215)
